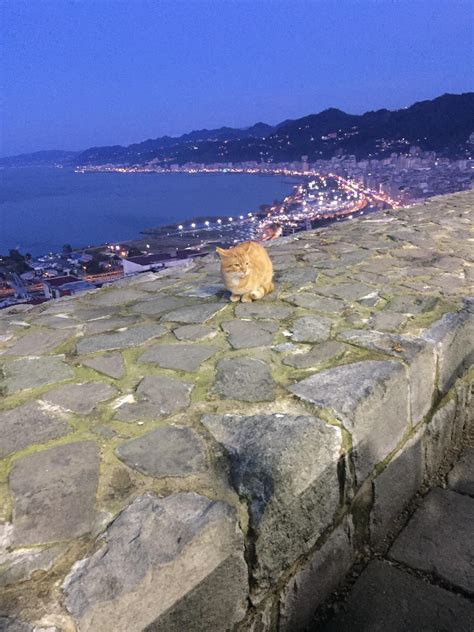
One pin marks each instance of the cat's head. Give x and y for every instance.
(235, 261)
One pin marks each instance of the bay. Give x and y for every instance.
(43, 208)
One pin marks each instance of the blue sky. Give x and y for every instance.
(95, 72)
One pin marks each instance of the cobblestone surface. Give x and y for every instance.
(103, 398)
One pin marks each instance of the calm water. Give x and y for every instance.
(43, 208)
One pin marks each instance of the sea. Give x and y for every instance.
(43, 208)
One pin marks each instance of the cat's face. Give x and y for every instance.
(235, 261)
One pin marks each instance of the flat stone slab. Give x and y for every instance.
(347, 291)
(27, 373)
(412, 304)
(169, 451)
(54, 493)
(109, 324)
(158, 305)
(318, 303)
(385, 598)
(438, 539)
(245, 379)
(195, 314)
(244, 334)
(29, 424)
(311, 329)
(298, 277)
(285, 467)
(19, 565)
(262, 310)
(318, 354)
(461, 477)
(110, 364)
(38, 342)
(132, 337)
(156, 396)
(80, 398)
(116, 296)
(194, 332)
(197, 559)
(183, 357)
(370, 399)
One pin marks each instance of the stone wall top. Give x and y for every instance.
(238, 432)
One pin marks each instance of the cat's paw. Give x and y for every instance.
(234, 298)
(256, 294)
(246, 298)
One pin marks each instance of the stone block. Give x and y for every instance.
(244, 334)
(80, 398)
(19, 565)
(461, 477)
(132, 337)
(453, 338)
(438, 539)
(195, 314)
(245, 379)
(170, 564)
(418, 355)
(169, 451)
(29, 424)
(285, 467)
(395, 486)
(54, 493)
(33, 372)
(438, 435)
(385, 598)
(38, 342)
(183, 357)
(110, 364)
(311, 329)
(315, 582)
(370, 399)
(156, 396)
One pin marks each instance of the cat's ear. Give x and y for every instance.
(246, 246)
(222, 252)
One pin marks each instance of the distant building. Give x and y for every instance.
(144, 263)
(56, 287)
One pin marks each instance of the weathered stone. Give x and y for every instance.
(385, 598)
(195, 314)
(158, 305)
(298, 277)
(311, 329)
(156, 396)
(14, 625)
(347, 291)
(244, 334)
(412, 304)
(415, 352)
(395, 486)
(184, 357)
(245, 379)
(387, 321)
(21, 564)
(196, 566)
(120, 340)
(318, 303)
(461, 477)
(109, 324)
(262, 310)
(116, 296)
(453, 337)
(323, 352)
(203, 291)
(169, 451)
(27, 373)
(54, 493)
(285, 467)
(29, 424)
(110, 364)
(104, 431)
(427, 543)
(57, 321)
(312, 585)
(193, 332)
(80, 398)
(438, 436)
(38, 342)
(371, 400)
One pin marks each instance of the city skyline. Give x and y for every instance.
(78, 75)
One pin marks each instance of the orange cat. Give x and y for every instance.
(247, 271)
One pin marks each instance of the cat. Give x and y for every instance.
(247, 271)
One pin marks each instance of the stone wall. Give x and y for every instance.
(171, 461)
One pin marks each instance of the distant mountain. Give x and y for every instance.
(47, 158)
(442, 125)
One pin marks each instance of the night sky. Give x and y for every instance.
(99, 72)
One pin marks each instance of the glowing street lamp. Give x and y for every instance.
(180, 227)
